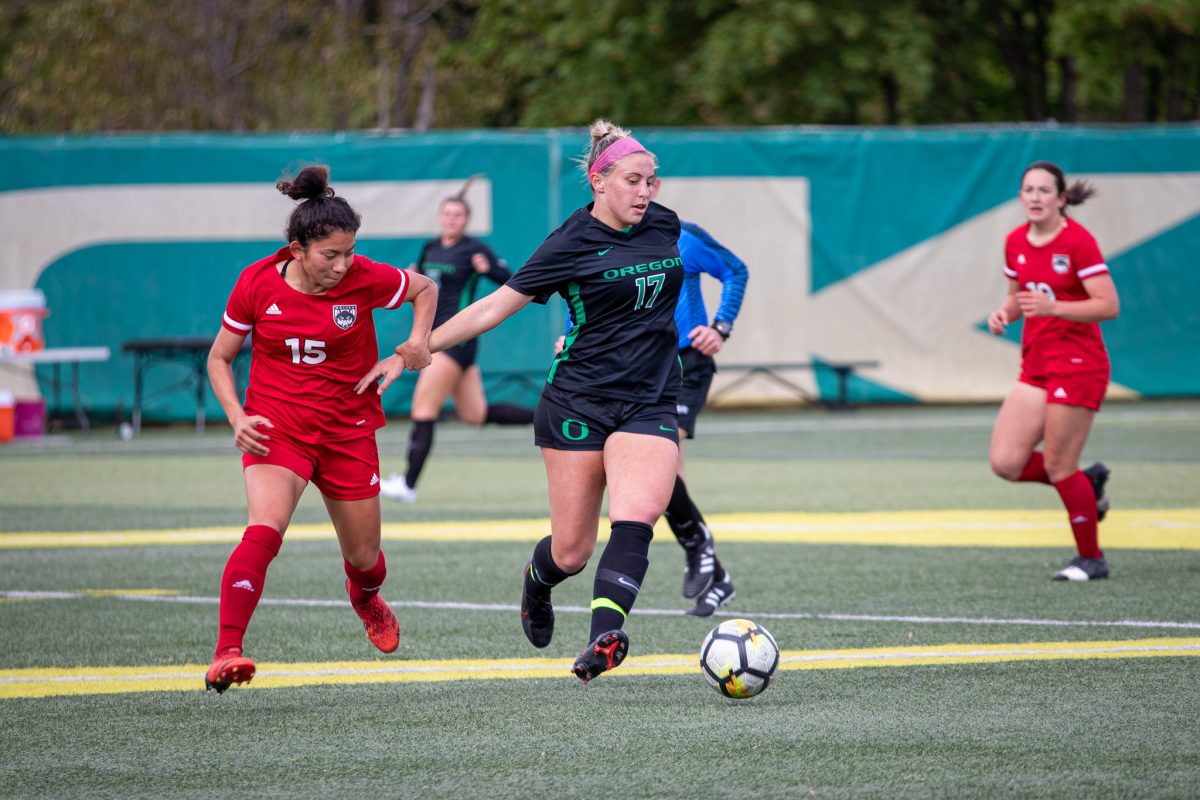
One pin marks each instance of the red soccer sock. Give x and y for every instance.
(242, 583)
(1079, 498)
(366, 583)
(1034, 470)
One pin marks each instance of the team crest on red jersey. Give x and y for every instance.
(1061, 263)
(345, 316)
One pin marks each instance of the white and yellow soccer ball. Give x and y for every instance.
(739, 658)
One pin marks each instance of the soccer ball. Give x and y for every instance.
(739, 658)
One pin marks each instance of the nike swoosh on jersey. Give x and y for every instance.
(605, 250)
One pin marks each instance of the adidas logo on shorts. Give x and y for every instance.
(374, 479)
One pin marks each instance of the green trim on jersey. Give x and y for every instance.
(578, 317)
(468, 291)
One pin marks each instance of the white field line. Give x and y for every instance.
(714, 425)
(912, 619)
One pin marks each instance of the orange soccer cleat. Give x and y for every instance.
(228, 668)
(383, 629)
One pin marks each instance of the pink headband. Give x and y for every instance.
(614, 153)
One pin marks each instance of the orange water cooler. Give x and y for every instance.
(21, 315)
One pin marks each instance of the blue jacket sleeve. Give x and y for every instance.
(706, 254)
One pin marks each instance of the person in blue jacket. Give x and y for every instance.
(703, 578)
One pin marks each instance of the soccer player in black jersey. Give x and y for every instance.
(704, 578)
(457, 263)
(607, 414)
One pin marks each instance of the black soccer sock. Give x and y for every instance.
(619, 575)
(684, 518)
(543, 574)
(508, 414)
(420, 442)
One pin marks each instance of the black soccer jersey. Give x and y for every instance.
(457, 281)
(621, 288)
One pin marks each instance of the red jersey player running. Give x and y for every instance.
(1060, 285)
(309, 306)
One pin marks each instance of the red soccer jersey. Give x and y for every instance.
(1058, 269)
(309, 350)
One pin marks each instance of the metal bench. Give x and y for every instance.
(191, 352)
(842, 370)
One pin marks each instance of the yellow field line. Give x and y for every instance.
(38, 682)
(1147, 529)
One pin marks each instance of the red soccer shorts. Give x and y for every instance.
(342, 470)
(1084, 389)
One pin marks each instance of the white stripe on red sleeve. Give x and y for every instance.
(398, 297)
(241, 326)
(1092, 270)
(1010, 272)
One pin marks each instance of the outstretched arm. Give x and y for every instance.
(479, 317)
(414, 352)
(422, 293)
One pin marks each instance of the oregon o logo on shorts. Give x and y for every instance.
(566, 429)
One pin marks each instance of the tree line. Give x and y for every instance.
(87, 66)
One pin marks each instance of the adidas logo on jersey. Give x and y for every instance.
(1020, 258)
(1060, 393)
(274, 311)
(374, 479)
(244, 584)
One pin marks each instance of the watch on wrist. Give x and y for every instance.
(724, 328)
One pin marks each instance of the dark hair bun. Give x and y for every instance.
(311, 182)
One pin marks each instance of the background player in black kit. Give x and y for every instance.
(607, 412)
(456, 263)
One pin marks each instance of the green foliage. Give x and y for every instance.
(81, 66)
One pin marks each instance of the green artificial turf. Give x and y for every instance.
(1122, 727)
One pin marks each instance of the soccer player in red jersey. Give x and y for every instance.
(1060, 285)
(306, 418)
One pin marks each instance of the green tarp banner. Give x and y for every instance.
(883, 245)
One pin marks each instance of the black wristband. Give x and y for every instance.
(722, 327)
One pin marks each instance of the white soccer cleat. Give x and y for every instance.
(395, 487)
(1083, 569)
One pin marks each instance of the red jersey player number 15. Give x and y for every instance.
(308, 416)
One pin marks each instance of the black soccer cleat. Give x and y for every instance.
(537, 614)
(699, 563)
(1098, 474)
(603, 653)
(720, 593)
(1083, 569)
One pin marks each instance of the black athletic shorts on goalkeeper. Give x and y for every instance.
(698, 371)
(568, 421)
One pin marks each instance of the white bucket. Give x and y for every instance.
(21, 315)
